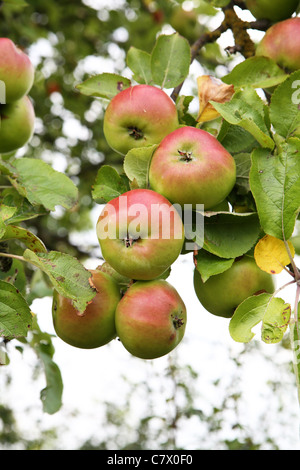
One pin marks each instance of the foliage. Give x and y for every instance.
(49, 188)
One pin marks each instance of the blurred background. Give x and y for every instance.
(210, 393)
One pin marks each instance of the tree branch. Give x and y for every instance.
(260, 25)
(205, 38)
(239, 27)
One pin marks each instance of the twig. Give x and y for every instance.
(243, 42)
(197, 46)
(261, 25)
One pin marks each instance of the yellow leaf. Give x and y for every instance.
(211, 89)
(271, 254)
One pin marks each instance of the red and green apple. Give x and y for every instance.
(17, 121)
(96, 326)
(190, 166)
(139, 116)
(281, 43)
(151, 319)
(16, 70)
(140, 234)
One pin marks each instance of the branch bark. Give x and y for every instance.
(205, 38)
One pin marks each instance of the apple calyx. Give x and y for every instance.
(130, 241)
(185, 155)
(177, 322)
(136, 133)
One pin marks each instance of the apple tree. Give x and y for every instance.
(225, 173)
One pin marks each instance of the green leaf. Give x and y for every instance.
(230, 235)
(275, 321)
(67, 275)
(51, 395)
(6, 212)
(30, 240)
(4, 358)
(104, 85)
(243, 166)
(23, 209)
(182, 105)
(236, 139)
(108, 185)
(285, 102)
(275, 184)
(209, 265)
(193, 229)
(16, 275)
(136, 164)
(170, 60)
(20, 3)
(140, 63)
(256, 72)
(38, 287)
(15, 314)
(247, 110)
(6, 168)
(273, 312)
(247, 315)
(42, 185)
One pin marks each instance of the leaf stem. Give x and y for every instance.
(8, 255)
(295, 269)
(297, 297)
(283, 287)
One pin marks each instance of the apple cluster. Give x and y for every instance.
(141, 233)
(16, 109)
(149, 318)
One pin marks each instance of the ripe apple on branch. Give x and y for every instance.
(17, 116)
(235, 164)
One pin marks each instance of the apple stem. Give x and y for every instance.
(129, 241)
(185, 155)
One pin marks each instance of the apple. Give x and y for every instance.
(151, 319)
(140, 234)
(273, 10)
(16, 70)
(16, 125)
(222, 293)
(282, 44)
(190, 166)
(96, 326)
(139, 116)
